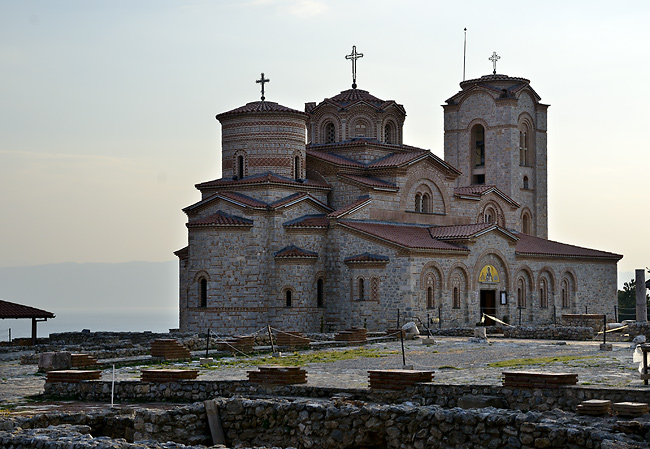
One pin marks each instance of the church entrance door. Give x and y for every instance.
(488, 305)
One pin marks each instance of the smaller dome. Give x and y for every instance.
(260, 107)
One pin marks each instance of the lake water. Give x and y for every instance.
(70, 320)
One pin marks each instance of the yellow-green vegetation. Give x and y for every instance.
(518, 363)
(298, 359)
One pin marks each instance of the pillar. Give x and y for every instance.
(641, 303)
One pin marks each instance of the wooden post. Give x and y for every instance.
(268, 328)
(33, 331)
(401, 336)
(604, 329)
(207, 344)
(214, 422)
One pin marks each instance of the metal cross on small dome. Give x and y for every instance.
(354, 56)
(494, 58)
(262, 81)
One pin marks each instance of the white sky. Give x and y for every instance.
(107, 107)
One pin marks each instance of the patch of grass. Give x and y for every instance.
(298, 359)
(518, 363)
(449, 367)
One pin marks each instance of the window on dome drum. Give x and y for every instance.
(543, 294)
(489, 216)
(287, 298)
(296, 167)
(320, 300)
(418, 202)
(330, 133)
(240, 167)
(426, 203)
(388, 134)
(203, 292)
(362, 290)
(360, 130)
(478, 145)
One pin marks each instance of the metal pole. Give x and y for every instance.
(604, 329)
(401, 336)
(440, 317)
(207, 344)
(268, 328)
(464, 52)
(398, 318)
(585, 310)
(616, 314)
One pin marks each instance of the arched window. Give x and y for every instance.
(388, 133)
(525, 224)
(374, 288)
(521, 294)
(489, 215)
(418, 202)
(320, 294)
(240, 167)
(526, 187)
(296, 167)
(362, 290)
(523, 146)
(360, 129)
(478, 145)
(543, 294)
(203, 292)
(431, 302)
(426, 203)
(287, 298)
(456, 298)
(330, 133)
(565, 294)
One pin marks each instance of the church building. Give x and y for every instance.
(354, 225)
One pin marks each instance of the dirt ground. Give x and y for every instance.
(455, 361)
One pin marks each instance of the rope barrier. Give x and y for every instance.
(221, 340)
(493, 318)
(614, 330)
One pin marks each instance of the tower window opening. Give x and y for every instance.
(362, 290)
(526, 186)
(388, 134)
(203, 292)
(478, 144)
(240, 167)
(330, 133)
(287, 298)
(360, 130)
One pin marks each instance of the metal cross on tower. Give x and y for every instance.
(494, 58)
(262, 81)
(354, 56)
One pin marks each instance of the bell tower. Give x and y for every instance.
(495, 134)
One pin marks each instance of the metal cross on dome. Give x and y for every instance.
(494, 58)
(354, 56)
(262, 81)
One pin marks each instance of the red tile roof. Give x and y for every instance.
(262, 178)
(476, 191)
(296, 197)
(263, 107)
(529, 245)
(182, 253)
(220, 218)
(351, 97)
(334, 159)
(13, 310)
(308, 221)
(459, 231)
(398, 159)
(362, 201)
(407, 236)
(293, 252)
(367, 258)
(371, 182)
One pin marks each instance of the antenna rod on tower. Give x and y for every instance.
(464, 53)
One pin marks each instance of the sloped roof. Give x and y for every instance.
(367, 258)
(296, 197)
(14, 310)
(458, 232)
(261, 107)
(334, 159)
(220, 218)
(308, 221)
(506, 86)
(477, 191)
(368, 181)
(262, 178)
(362, 201)
(351, 97)
(407, 236)
(535, 246)
(293, 252)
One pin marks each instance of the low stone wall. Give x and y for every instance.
(564, 398)
(639, 328)
(335, 424)
(549, 332)
(592, 320)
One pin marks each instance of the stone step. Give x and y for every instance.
(72, 376)
(168, 375)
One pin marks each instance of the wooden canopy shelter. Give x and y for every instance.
(17, 311)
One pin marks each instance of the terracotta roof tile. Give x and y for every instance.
(476, 191)
(334, 159)
(244, 199)
(362, 201)
(535, 246)
(220, 218)
(13, 310)
(408, 236)
(354, 95)
(308, 221)
(293, 252)
(367, 258)
(295, 198)
(261, 106)
(397, 159)
(182, 253)
(263, 178)
(371, 182)
(459, 231)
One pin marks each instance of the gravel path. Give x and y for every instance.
(455, 361)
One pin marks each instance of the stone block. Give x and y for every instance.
(481, 401)
(54, 361)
